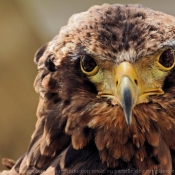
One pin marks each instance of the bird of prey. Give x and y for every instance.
(107, 96)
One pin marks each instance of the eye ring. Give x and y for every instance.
(166, 59)
(88, 65)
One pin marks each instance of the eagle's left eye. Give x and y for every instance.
(88, 65)
(167, 58)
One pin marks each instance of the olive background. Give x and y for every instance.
(25, 25)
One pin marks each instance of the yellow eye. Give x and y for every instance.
(88, 65)
(167, 59)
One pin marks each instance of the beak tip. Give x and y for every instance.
(128, 119)
(129, 123)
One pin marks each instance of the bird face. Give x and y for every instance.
(108, 78)
(129, 84)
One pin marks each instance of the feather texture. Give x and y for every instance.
(76, 131)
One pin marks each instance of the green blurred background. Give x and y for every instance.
(25, 25)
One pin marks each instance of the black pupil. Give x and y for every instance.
(167, 58)
(88, 63)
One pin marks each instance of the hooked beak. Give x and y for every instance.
(127, 94)
(127, 89)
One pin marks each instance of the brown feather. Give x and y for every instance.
(78, 130)
(8, 163)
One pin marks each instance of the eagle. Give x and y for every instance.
(107, 96)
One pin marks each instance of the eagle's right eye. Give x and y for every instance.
(88, 65)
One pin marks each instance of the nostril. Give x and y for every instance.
(117, 83)
(136, 82)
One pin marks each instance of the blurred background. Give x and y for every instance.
(25, 25)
